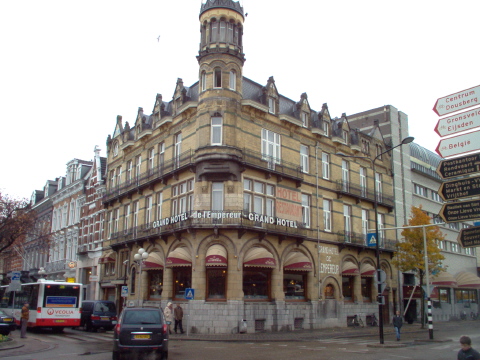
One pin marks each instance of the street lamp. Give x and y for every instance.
(407, 140)
(42, 272)
(139, 257)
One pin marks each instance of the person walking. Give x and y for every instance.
(168, 312)
(24, 320)
(467, 352)
(178, 315)
(397, 324)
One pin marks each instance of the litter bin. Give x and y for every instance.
(242, 326)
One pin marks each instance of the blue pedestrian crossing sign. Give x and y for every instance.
(371, 239)
(189, 294)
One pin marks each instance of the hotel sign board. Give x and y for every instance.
(457, 101)
(460, 211)
(460, 166)
(469, 237)
(459, 189)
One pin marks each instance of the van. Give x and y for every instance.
(98, 314)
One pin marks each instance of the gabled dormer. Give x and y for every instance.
(160, 115)
(143, 125)
(128, 138)
(270, 96)
(303, 111)
(322, 123)
(341, 130)
(180, 96)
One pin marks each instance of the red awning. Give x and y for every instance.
(259, 257)
(297, 261)
(179, 257)
(153, 262)
(216, 256)
(467, 279)
(444, 279)
(108, 257)
(367, 270)
(350, 269)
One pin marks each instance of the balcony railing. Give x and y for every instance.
(208, 219)
(144, 179)
(359, 239)
(271, 164)
(57, 265)
(347, 188)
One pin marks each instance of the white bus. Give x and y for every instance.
(53, 304)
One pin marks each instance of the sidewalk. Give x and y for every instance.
(412, 332)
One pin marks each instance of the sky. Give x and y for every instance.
(68, 68)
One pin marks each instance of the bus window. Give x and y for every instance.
(61, 296)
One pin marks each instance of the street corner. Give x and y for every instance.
(10, 344)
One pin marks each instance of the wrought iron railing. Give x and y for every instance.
(347, 188)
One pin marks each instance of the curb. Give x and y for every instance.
(10, 344)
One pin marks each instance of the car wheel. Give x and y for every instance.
(164, 355)
(108, 328)
(57, 329)
(115, 355)
(88, 326)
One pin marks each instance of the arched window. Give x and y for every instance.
(203, 80)
(233, 80)
(223, 30)
(257, 274)
(217, 78)
(213, 31)
(329, 292)
(216, 272)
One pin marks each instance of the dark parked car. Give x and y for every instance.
(140, 331)
(7, 323)
(98, 314)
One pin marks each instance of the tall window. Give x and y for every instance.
(381, 226)
(304, 119)
(203, 80)
(345, 176)
(72, 212)
(151, 160)
(112, 179)
(214, 31)
(326, 166)
(363, 181)
(217, 128)
(115, 220)
(223, 30)
(138, 164)
(271, 147)
(182, 197)
(182, 279)
(159, 205)
(347, 222)
(177, 149)
(110, 224)
(306, 210)
(136, 209)
(217, 78)
(271, 105)
(126, 218)
(217, 196)
(129, 171)
(327, 215)
(230, 32)
(378, 186)
(304, 158)
(119, 176)
(233, 80)
(258, 197)
(148, 210)
(326, 128)
(365, 218)
(379, 151)
(161, 156)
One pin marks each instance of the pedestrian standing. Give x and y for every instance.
(397, 324)
(467, 352)
(178, 315)
(24, 320)
(168, 312)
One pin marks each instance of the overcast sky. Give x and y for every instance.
(68, 68)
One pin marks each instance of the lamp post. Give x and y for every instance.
(139, 257)
(42, 272)
(407, 140)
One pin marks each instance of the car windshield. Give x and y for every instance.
(104, 307)
(142, 317)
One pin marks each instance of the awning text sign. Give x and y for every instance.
(460, 166)
(469, 237)
(460, 144)
(467, 120)
(460, 211)
(457, 101)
